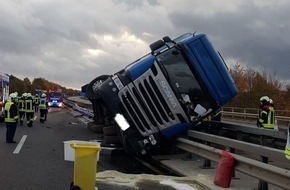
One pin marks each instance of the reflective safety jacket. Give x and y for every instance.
(43, 104)
(11, 112)
(29, 105)
(267, 117)
(287, 148)
(21, 104)
(36, 100)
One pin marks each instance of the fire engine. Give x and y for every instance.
(55, 98)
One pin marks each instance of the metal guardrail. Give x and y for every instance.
(281, 134)
(251, 113)
(272, 174)
(73, 104)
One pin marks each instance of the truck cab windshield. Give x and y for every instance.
(181, 78)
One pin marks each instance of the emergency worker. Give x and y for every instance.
(266, 116)
(43, 108)
(36, 102)
(11, 118)
(21, 108)
(29, 109)
(16, 97)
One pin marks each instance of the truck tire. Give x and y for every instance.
(91, 91)
(110, 130)
(97, 128)
(112, 139)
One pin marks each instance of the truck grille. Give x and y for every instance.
(146, 105)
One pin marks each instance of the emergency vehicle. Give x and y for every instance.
(4, 92)
(55, 98)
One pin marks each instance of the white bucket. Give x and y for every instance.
(69, 152)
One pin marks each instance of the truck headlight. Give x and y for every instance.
(121, 121)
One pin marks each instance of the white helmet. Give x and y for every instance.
(12, 97)
(43, 95)
(29, 95)
(264, 99)
(24, 95)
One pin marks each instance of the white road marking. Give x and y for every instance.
(35, 117)
(20, 144)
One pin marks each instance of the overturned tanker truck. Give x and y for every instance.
(163, 94)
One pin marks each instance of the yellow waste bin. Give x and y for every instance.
(85, 165)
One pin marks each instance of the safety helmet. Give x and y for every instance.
(271, 101)
(24, 95)
(264, 99)
(29, 95)
(12, 97)
(36, 95)
(43, 95)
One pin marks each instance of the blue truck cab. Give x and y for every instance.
(166, 92)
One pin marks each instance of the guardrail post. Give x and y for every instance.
(233, 150)
(262, 184)
(206, 162)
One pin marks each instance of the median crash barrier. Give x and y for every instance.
(85, 165)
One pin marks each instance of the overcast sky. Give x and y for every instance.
(70, 42)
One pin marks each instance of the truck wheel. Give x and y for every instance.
(110, 130)
(91, 91)
(112, 139)
(97, 128)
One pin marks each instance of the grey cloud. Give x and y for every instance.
(253, 36)
(50, 39)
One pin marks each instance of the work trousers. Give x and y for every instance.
(29, 117)
(43, 115)
(36, 108)
(21, 116)
(11, 128)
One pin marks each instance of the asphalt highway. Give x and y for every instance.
(36, 161)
